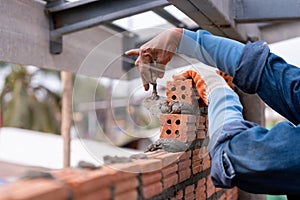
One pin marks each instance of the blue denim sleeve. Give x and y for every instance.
(212, 50)
(248, 73)
(274, 80)
(257, 160)
(280, 87)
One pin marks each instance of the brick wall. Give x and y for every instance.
(180, 175)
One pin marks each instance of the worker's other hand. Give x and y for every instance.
(155, 54)
(205, 78)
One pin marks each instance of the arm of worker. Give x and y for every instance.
(212, 50)
(256, 159)
(243, 153)
(224, 108)
(243, 62)
(253, 68)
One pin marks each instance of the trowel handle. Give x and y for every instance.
(154, 88)
(153, 74)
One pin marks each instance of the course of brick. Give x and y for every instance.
(181, 175)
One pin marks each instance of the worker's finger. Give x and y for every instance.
(160, 70)
(146, 87)
(132, 52)
(145, 73)
(181, 77)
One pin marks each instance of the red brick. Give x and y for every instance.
(196, 160)
(206, 122)
(206, 162)
(130, 195)
(196, 169)
(85, 181)
(190, 196)
(178, 195)
(34, 190)
(189, 189)
(201, 134)
(199, 153)
(232, 194)
(104, 193)
(184, 155)
(184, 175)
(218, 189)
(154, 154)
(181, 91)
(125, 170)
(167, 158)
(202, 119)
(222, 197)
(148, 178)
(210, 188)
(170, 169)
(184, 165)
(184, 119)
(201, 182)
(149, 165)
(201, 127)
(152, 190)
(181, 127)
(170, 180)
(201, 191)
(125, 185)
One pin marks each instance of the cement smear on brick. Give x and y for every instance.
(153, 105)
(167, 144)
(178, 107)
(122, 159)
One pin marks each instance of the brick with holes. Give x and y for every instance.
(182, 90)
(180, 126)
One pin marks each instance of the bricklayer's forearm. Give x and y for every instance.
(212, 50)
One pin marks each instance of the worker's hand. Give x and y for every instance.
(205, 78)
(155, 54)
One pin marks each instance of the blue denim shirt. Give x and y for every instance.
(243, 153)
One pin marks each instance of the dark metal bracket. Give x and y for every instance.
(68, 17)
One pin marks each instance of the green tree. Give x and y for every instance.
(27, 106)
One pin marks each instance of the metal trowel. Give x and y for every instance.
(153, 103)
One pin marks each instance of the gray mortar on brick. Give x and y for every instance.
(122, 159)
(167, 144)
(179, 107)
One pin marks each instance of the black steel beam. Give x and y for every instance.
(266, 10)
(71, 17)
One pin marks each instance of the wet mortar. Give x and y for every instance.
(171, 145)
